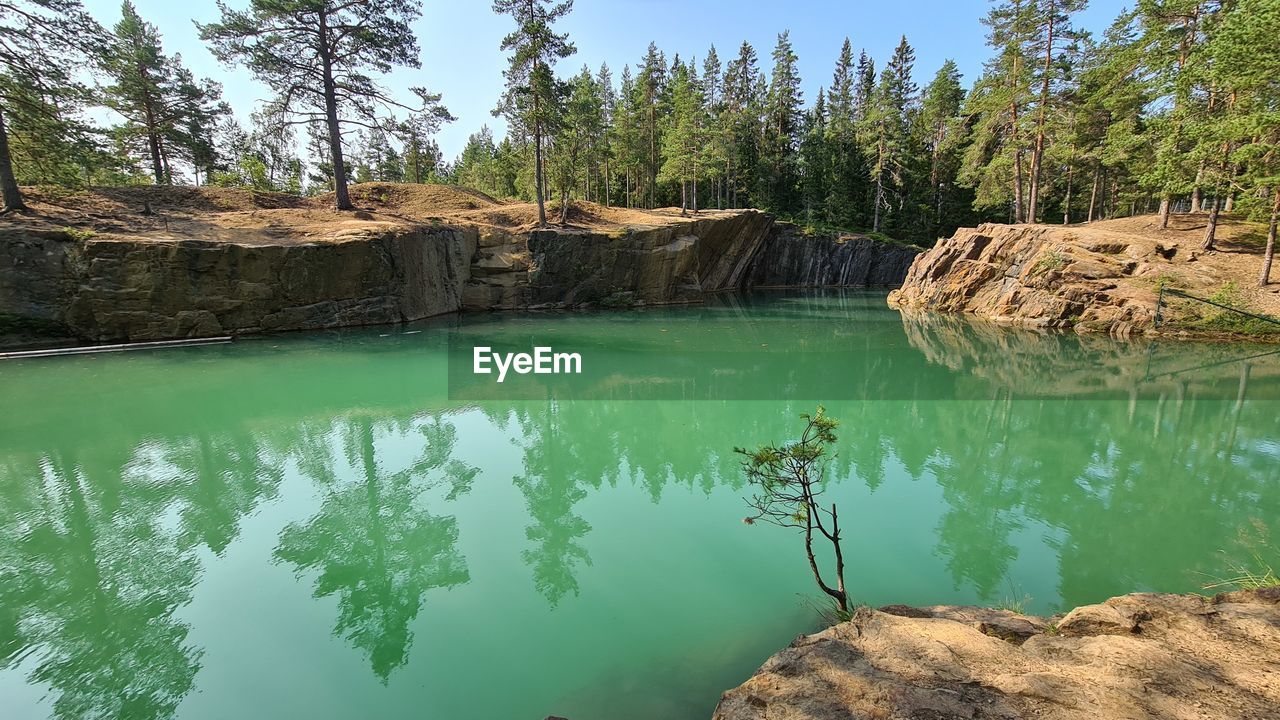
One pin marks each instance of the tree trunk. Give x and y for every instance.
(843, 599)
(1197, 195)
(695, 191)
(1093, 196)
(684, 198)
(1265, 279)
(1037, 153)
(1164, 211)
(564, 205)
(157, 165)
(1017, 153)
(8, 182)
(1211, 228)
(1066, 204)
(331, 120)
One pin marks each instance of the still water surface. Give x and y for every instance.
(307, 525)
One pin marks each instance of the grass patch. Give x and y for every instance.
(78, 234)
(1256, 569)
(1199, 316)
(1052, 260)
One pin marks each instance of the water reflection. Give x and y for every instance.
(375, 543)
(109, 519)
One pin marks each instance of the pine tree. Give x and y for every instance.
(1244, 56)
(942, 132)
(741, 123)
(531, 97)
(685, 138)
(315, 55)
(782, 127)
(815, 160)
(42, 43)
(847, 184)
(608, 110)
(889, 115)
(1052, 20)
(162, 104)
(651, 87)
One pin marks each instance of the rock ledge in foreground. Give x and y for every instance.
(1137, 657)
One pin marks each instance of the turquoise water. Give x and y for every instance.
(309, 526)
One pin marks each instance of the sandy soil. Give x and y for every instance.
(254, 217)
(1238, 256)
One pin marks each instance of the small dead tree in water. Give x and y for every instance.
(789, 480)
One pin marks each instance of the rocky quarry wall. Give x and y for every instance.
(108, 289)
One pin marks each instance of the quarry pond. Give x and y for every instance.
(336, 525)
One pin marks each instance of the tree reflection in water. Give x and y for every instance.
(376, 544)
(1023, 440)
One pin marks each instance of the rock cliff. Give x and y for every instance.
(203, 262)
(114, 289)
(1102, 277)
(790, 258)
(1137, 657)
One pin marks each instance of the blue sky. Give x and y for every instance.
(461, 60)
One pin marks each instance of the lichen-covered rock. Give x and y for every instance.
(1137, 657)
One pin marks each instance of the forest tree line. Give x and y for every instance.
(1175, 108)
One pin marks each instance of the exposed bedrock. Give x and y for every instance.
(728, 250)
(790, 258)
(119, 288)
(136, 290)
(1136, 657)
(1039, 276)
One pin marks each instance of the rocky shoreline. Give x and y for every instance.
(117, 287)
(1100, 278)
(1144, 656)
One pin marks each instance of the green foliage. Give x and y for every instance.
(305, 50)
(1257, 570)
(788, 479)
(1052, 260)
(1200, 316)
(78, 234)
(168, 115)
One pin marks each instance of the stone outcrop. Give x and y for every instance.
(646, 265)
(790, 258)
(113, 287)
(1137, 657)
(1039, 276)
(674, 263)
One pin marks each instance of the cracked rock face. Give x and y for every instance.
(1038, 276)
(1138, 657)
(120, 288)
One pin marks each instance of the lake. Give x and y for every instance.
(343, 525)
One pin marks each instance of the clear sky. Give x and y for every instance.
(461, 59)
